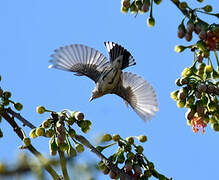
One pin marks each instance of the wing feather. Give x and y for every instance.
(80, 59)
(139, 94)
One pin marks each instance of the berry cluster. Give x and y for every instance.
(59, 129)
(134, 163)
(142, 6)
(5, 101)
(199, 85)
(199, 94)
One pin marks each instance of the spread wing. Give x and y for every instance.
(116, 50)
(80, 59)
(139, 94)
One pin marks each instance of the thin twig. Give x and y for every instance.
(186, 12)
(19, 117)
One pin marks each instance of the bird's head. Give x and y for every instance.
(95, 94)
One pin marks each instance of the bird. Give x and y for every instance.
(108, 75)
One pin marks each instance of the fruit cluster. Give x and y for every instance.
(199, 93)
(208, 34)
(142, 6)
(59, 129)
(134, 163)
(199, 83)
(5, 101)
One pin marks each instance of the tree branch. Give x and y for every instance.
(31, 148)
(83, 141)
(107, 162)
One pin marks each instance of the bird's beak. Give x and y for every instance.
(91, 99)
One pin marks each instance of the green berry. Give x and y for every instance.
(208, 69)
(40, 109)
(142, 138)
(130, 140)
(5, 102)
(180, 104)
(179, 48)
(40, 131)
(183, 5)
(27, 141)
(174, 95)
(208, 8)
(71, 152)
(18, 106)
(186, 72)
(46, 123)
(178, 82)
(79, 116)
(7, 94)
(70, 121)
(116, 137)
(133, 8)
(139, 149)
(85, 130)
(79, 148)
(71, 133)
(216, 127)
(32, 133)
(150, 21)
(138, 4)
(157, 1)
(49, 133)
(121, 158)
(106, 138)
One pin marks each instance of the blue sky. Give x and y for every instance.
(32, 29)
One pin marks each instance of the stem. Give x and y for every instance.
(31, 148)
(208, 13)
(186, 12)
(152, 2)
(63, 165)
(216, 56)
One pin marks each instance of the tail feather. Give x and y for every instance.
(116, 50)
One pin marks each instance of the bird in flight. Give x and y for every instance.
(108, 75)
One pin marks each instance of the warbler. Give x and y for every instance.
(108, 75)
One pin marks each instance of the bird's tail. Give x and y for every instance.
(116, 50)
